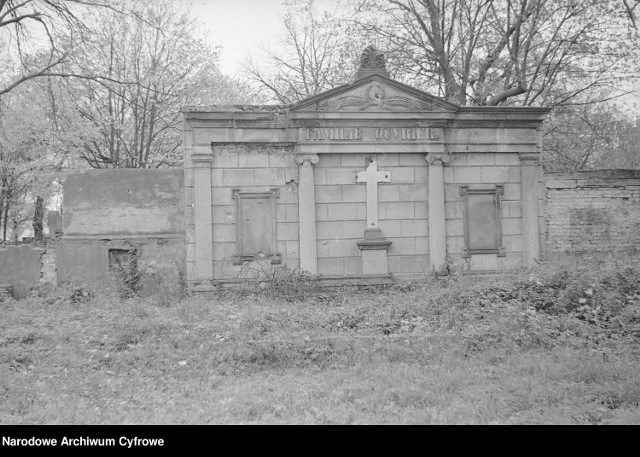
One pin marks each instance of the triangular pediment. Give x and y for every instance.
(375, 93)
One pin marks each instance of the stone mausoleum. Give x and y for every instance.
(370, 179)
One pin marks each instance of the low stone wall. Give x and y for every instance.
(593, 211)
(123, 229)
(20, 268)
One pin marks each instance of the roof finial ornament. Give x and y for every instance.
(372, 62)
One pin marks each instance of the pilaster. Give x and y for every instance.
(203, 218)
(307, 211)
(437, 238)
(531, 248)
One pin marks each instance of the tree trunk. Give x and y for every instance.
(6, 218)
(38, 221)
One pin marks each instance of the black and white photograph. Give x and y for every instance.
(316, 212)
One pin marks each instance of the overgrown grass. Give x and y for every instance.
(557, 344)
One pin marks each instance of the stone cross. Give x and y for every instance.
(372, 177)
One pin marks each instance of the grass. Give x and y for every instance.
(554, 345)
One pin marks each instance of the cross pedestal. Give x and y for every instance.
(373, 246)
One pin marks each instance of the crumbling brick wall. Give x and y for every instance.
(593, 211)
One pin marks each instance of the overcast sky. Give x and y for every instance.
(239, 26)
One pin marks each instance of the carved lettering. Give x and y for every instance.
(383, 134)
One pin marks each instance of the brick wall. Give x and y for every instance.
(593, 211)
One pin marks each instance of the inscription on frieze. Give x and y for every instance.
(370, 134)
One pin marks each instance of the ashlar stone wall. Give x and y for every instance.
(341, 212)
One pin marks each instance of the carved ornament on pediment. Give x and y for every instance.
(374, 96)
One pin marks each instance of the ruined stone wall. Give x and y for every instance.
(20, 268)
(108, 214)
(593, 211)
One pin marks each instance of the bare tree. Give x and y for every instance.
(152, 66)
(40, 35)
(484, 52)
(318, 54)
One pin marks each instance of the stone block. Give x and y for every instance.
(413, 192)
(322, 248)
(515, 174)
(454, 227)
(329, 230)
(512, 192)
(421, 174)
(331, 266)
(253, 159)
(216, 177)
(269, 177)
(288, 194)
(398, 210)
(353, 160)
(281, 159)
(507, 159)
(413, 228)
(388, 160)
(288, 231)
(483, 262)
(447, 173)
(328, 194)
(223, 214)
(511, 261)
(292, 250)
(390, 228)
(467, 175)
(512, 226)
(238, 177)
(342, 248)
(352, 266)
(422, 244)
(415, 264)
(374, 262)
(220, 196)
(354, 193)
(342, 211)
(402, 246)
(455, 244)
(291, 213)
(354, 229)
(479, 159)
(453, 210)
(401, 174)
(322, 212)
(225, 159)
(497, 174)
(329, 160)
(513, 243)
(421, 210)
(388, 193)
(224, 233)
(512, 209)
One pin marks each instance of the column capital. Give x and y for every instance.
(201, 160)
(437, 158)
(531, 158)
(312, 158)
